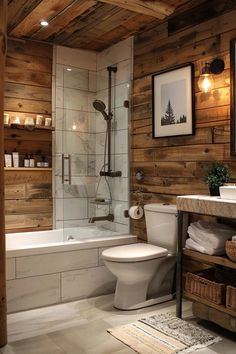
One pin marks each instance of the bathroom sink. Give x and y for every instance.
(228, 192)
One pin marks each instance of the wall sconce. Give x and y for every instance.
(206, 79)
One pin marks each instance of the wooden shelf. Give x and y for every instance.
(23, 127)
(27, 169)
(205, 258)
(221, 308)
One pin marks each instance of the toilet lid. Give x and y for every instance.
(134, 253)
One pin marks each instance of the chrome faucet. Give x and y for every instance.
(109, 217)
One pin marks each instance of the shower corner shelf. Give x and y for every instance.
(99, 202)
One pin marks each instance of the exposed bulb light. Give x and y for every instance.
(68, 69)
(44, 23)
(206, 82)
(74, 126)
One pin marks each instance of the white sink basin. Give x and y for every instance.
(228, 192)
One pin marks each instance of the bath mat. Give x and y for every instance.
(163, 334)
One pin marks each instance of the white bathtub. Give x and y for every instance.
(45, 268)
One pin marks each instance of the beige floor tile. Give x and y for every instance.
(36, 345)
(80, 328)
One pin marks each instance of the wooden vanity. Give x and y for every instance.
(211, 206)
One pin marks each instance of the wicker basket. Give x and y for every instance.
(230, 248)
(207, 284)
(231, 297)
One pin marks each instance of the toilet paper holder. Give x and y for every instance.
(140, 201)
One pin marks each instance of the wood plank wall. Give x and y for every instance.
(28, 85)
(175, 166)
(3, 302)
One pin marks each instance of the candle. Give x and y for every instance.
(48, 121)
(6, 118)
(39, 120)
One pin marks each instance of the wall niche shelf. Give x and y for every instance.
(27, 169)
(29, 129)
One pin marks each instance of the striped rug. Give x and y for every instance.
(163, 334)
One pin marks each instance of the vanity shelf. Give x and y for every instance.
(211, 206)
(205, 258)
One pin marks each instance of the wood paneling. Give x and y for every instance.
(3, 306)
(27, 91)
(176, 166)
(87, 24)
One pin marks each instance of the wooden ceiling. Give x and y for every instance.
(86, 24)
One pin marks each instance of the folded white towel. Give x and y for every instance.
(208, 241)
(192, 245)
(212, 235)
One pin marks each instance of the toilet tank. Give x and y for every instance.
(161, 223)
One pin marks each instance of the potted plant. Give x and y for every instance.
(216, 176)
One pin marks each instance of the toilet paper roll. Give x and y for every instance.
(136, 212)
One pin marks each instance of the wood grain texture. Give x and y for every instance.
(88, 24)
(27, 91)
(158, 9)
(3, 308)
(176, 166)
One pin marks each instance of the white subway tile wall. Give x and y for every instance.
(81, 132)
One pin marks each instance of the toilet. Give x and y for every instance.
(145, 271)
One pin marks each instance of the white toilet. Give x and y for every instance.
(145, 271)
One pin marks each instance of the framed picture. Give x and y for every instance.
(233, 96)
(173, 102)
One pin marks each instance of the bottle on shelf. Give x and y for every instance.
(8, 160)
(15, 158)
(26, 161)
(45, 163)
(31, 161)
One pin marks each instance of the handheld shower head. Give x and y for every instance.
(100, 107)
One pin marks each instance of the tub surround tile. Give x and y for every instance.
(121, 141)
(77, 121)
(92, 81)
(121, 94)
(118, 209)
(121, 118)
(59, 97)
(33, 292)
(55, 262)
(75, 99)
(115, 54)
(80, 87)
(10, 268)
(75, 208)
(59, 75)
(87, 282)
(80, 143)
(76, 78)
(77, 58)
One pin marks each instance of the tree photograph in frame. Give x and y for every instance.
(173, 102)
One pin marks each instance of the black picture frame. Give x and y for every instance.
(189, 119)
(232, 97)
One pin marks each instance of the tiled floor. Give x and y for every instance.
(80, 327)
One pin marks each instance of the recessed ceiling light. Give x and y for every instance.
(68, 69)
(44, 23)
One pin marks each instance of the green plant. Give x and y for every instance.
(217, 174)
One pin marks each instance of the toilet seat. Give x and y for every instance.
(134, 253)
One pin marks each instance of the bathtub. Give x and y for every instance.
(50, 267)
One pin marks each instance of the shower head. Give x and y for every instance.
(100, 107)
